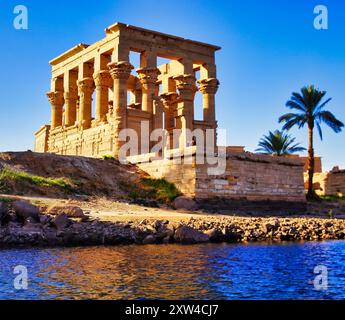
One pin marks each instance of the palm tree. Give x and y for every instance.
(279, 143)
(309, 107)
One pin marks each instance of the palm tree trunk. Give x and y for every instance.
(311, 163)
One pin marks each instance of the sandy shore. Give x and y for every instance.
(104, 222)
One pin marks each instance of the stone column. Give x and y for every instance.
(148, 78)
(169, 100)
(158, 114)
(138, 92)
(120, 72)
(56, 100)
(85, 87)
(71, 97)
(103, 82)
(208, 88)
(185, 109)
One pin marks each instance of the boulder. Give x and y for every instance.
(167, 240)
(150, 239)
(3, 208)
(61, 221)
(189, 235)
(4, 216)
(328, 224)
(215, 235)
(233, 234)
(70, 211)
(44, 219)
(165, 230)
(184, 203)
(32, 226)
(25, 210)
(30, 220)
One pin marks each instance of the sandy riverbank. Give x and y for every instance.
(109, 223)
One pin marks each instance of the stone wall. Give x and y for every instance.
(317, 164)
(183, 175)
(93, 142)
(330, 183)
(41, 141)
(254, 177)
(247, 176)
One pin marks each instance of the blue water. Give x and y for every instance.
(211, 271)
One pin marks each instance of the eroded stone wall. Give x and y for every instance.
(254, 177)
(183, 175)
(93, 142)
(335, 184)
(247, 176)
(330, 183)
(41, 141)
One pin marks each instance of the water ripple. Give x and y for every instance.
(211, 271)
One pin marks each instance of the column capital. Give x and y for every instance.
(56, 98)
(102, 78)
(148, 75)
(208, 86)
(71, 95)
(185, 84)
(86, 85)
(169, 98)
(120, 70)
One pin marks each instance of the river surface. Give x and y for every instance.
(211, 271)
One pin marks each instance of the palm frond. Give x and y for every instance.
(278, 143)
(292, 104)
(292, 120)
(328, 118)
(319, 130)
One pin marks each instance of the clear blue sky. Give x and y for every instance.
(269, 49)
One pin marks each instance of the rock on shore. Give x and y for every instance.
(24, 224)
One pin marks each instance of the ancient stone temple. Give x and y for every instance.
(95, 91)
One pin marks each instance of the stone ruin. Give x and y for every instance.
(95, 93)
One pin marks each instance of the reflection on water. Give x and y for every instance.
(212, 271)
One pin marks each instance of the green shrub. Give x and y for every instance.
(161, 189)
(7, 174)
(151, 189)
(6, 200)
(108, 157)
(332, 198)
